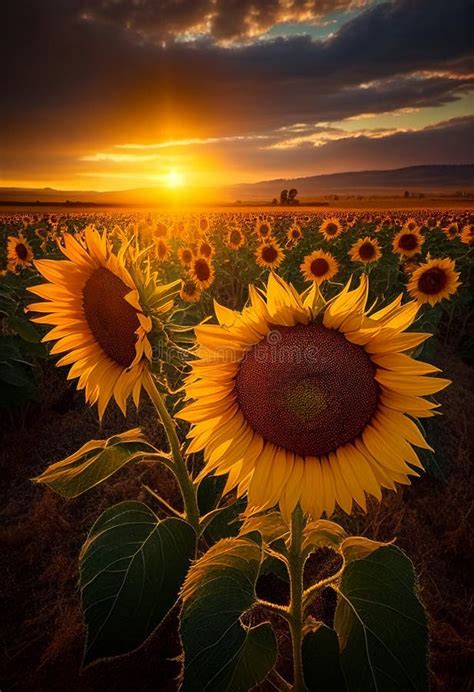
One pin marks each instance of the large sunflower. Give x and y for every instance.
(434, 280)
(19, 252)
(319, 266)
(365, 250)
(301, 400)
(99, 324)
(331, 228)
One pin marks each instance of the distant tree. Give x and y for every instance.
(406, 194)
(292, 196)
(274, 201)
(284, 197)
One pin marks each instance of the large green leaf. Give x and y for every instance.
(381, 624)
(94, 462)
(321, 662)
(132, 567)
(220, 654)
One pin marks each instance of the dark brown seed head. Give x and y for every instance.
(432, 281)
(111, 319)
(307, 389)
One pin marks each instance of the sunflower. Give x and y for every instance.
(202, 272)
(190, 292)
(186, 256)
(319, 266)
(162, 250)
(451, 231)
(411, 225)
(365, 250)
(203, 224)
(263, 229)
(407, 243)
(161, 230)
(467, 234)
(294, 235)
(409, 267)
(299, 400)
(434, 280)
(19, 252)
(269, 255)
(330, 228)
(99, 324)
(205, 249)
(235, 239)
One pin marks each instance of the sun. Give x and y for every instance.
(174, 179)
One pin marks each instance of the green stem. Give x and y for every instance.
(185, 483)
(296, 563)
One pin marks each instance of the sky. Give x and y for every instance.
(120, 94)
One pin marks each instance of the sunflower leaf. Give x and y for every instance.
(219, 652)
(94, 462)
(358, 547)
(131, 570)
(270, 526)
(321, 663)
(381, 624)
(323, 533)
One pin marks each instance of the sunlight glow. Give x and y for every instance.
(174, 179)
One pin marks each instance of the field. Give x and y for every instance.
(212, 256)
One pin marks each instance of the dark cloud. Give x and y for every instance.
(78, 85)
(227, 20)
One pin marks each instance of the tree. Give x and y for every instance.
(284, 197)
(292, 196)
(274, 201)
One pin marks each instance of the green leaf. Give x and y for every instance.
(94, 462)
(131, 570)
(323, 533)
(226, 523)
(381, 624)
(358, 547)
(321, 663)
(25, 329)
(271, 526)
(219, 652)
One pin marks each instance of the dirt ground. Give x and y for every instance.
(41, 535)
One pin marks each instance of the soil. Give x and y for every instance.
(41, 535)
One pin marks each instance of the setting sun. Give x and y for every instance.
(174, 179)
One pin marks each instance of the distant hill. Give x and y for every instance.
(415, 179)
(427, 179)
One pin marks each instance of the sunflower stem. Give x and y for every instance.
(186, 485)
(296, 564)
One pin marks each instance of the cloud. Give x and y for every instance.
(222, 20)
(74, 87)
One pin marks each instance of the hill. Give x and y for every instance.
(442, 179)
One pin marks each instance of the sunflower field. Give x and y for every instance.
(235, 449)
